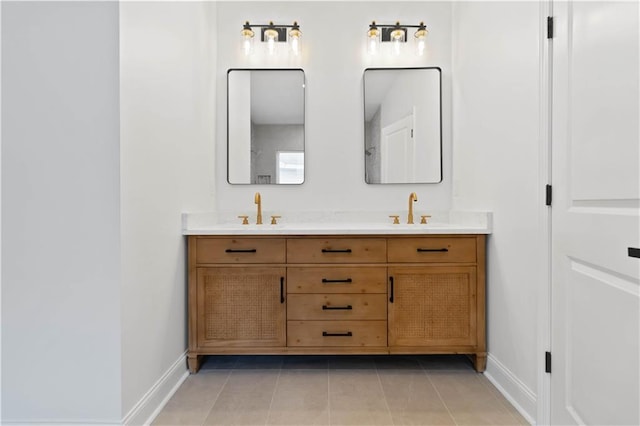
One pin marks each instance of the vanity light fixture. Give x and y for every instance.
(396, 34)
(271, 34)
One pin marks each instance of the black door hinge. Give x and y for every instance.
(547, 362)
(549, 26)
(549, 191)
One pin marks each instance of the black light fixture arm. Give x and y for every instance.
(374, 24)
(248, 25)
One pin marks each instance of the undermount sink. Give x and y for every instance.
(328, 223)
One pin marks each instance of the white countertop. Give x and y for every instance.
(337, 223)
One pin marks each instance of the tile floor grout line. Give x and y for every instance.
(386, 403)
(217, 396)
(273, 395)
(440, 396)
(329, 392)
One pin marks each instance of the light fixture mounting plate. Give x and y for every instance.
(386, 33)
(282, 33)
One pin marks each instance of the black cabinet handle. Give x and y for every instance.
(634, 252)
(336, 250)
(391, 292)
(347, 334)
(240, 250)
(326, 281)
(426, 250)
(281, 289)
(332, 308)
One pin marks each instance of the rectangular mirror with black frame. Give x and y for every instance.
(265, 126)
(403, 125)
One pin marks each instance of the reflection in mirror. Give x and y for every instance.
(402, 120)
(265, 126)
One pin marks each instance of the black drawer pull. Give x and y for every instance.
(281, 289)
(391, 292)
(336, 308)
(425, 250)
(634, 252)
(326, 281)
(240, 250)
(336, 250)
(347, 334)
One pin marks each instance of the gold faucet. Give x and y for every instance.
(258, 201)
(412, 198)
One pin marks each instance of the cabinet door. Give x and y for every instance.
(241, 307)
(432, 306)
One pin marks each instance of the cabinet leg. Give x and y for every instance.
(194, 362)
(479, 361)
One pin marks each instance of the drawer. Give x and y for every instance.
(432, 249)
(336, 333)
(337, 279)
(337, 250)
(240, 250)
(337, 307)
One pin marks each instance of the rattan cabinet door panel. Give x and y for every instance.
(432, 306)
(241, 307)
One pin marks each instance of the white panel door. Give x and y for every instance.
(595, 214)
(398, 152)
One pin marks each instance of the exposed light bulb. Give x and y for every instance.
(247, 39)
(373, 39)
(420, 47)
(294, 39)
(396, 47)
(295, 46)
(373, 46)
(271, 37)
(246, 45)
(420, 37)
(397, 37)
(271, 45)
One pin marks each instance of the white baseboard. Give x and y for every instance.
(516, 392)
(150, 405)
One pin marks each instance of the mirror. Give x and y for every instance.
(402, 125)
(265, 126)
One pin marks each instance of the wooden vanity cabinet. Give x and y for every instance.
(398, 294)
(437, 296)
(237, 296)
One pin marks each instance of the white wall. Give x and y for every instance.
(94, 306)
(497, 162)
(167, 50)
(334, 62)
(60, 212)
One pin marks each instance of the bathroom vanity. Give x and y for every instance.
(281, 291)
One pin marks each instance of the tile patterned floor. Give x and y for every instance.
(338, 390)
